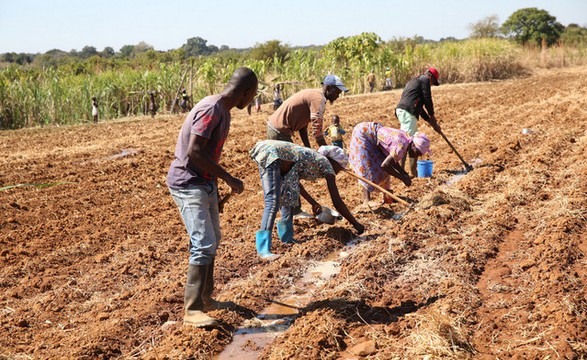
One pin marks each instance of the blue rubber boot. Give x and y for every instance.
(285, 231)
(263, 243)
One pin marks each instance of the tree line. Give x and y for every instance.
(56, 87)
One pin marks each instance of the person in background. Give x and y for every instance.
(376, 152)
(371, 80)
(281, 166)
(335, 132)
(416, 101)
(193, 183)
(184, 101)
(388, 85)
(277, 100)
(95, 109)
(258, 103)
(153, 107)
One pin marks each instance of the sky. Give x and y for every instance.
(36, 26)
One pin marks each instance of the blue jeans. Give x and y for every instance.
(198, 206)
(271, 182)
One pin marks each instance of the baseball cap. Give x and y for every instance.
(335, 81)
(435, 75)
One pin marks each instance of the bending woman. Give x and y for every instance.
(376, 152)
(282, 165)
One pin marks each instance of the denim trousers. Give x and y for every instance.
(271, 182)
(198, 206)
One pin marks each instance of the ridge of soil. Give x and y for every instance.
(491, 266)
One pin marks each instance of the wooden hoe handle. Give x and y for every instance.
(380, 188)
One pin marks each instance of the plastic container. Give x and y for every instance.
(328, 216)
(425, 168)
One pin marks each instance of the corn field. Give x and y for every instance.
(58, 96)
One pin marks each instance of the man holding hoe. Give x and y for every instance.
(416, 96)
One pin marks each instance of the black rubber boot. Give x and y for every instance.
(209, 303)
(194, 307)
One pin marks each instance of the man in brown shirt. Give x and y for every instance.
(302, 108)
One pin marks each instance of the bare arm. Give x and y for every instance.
(200, 158)
(394, 169)
(340, 205)
(316, 207)
(304, 136)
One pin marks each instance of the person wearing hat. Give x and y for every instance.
(416, 96)
(376, 152)
(302, 108)
(282, 165)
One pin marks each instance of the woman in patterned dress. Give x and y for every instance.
(376, 152)
(282, 165)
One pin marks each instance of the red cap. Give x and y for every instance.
(434, 73)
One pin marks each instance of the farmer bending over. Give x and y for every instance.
(282, 165)
(376, 152)
(302, 108)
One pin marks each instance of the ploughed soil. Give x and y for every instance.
(489, 264)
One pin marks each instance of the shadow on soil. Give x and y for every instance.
(359, 311)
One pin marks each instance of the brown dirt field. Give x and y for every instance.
(491, 266)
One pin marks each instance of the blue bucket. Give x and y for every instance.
(424, 168)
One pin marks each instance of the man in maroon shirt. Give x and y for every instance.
(192, 180)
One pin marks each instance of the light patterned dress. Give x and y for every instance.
(308, 165)
(370, 144)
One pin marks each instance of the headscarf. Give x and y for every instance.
(422, 143)
(335, 153)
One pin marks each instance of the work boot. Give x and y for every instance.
(209, 302)
(263, 244)
(286, 232)
(194, 287)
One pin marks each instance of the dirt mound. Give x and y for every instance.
(490, 264)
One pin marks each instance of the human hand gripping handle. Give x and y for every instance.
(434, 123)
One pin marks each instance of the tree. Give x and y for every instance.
(531, 25)
(127, 50)
(485, 28)
(269, 50)
(197, 46)
(88, 51)
(141, 48)
(107, 52)
(574, 35)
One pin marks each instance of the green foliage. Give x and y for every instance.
(269, 50)
(57, 88)
(88, 51)
(531, 25)
(197, 46)
(574, 35)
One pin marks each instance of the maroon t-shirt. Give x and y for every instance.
(207, 119)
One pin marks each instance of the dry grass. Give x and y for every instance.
(438, 335)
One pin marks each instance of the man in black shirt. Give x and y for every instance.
(416, 96)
